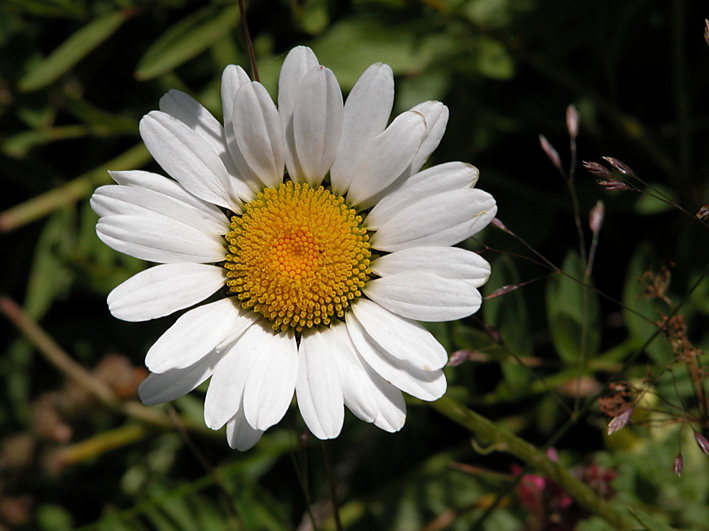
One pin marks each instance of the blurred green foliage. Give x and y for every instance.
(77, 75)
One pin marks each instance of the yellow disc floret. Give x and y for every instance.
(297, 256)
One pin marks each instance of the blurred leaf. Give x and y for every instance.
(19, 145)
(352, 45)
(71, 51)
(52, 517)
(648, 205)
(643, 326)
(493, 60)
(313, 17)
(185, 40)
(573, 313)
(508, 315)
(649, 522)
(50, 8)
(102, 122)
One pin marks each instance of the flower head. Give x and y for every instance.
(321, 272)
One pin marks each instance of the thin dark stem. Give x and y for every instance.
(203, 461)
(332, 485)
(249, 44)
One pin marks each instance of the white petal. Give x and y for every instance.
(444, 220)
(198, 118)
(366, 114)
(164, 289)
(436, 115)
(446, 262)
(317, 126)
(425, 296)
(188, 158)
(366, 394)
(404, 339)
(271, 383)
(299, 61)
(166, 186)
(239, 434)
(159, 239)
(195, 334)
(159, 388)
(232, 78)
(423, 186)
(226, 388)
(259, 134)
(426, 385)
(137, 201)
(318, 389)
(388, 154)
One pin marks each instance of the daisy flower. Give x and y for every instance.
(312, 279)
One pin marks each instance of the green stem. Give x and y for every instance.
(534, 457)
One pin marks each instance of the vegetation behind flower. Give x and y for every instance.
(77, 450)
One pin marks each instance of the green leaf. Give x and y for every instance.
(352, 45)
(508, 315)
(573, 313)
(648, 205)
(71, 51)
(185, 40)
(640, 313)
(649, 522)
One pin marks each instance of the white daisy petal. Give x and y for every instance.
(436, 115)
(424, 296)
(188, 158)
(226, 388)
(271, 382)
(138, 201)
(423, 186)
(404, 339)
(317, 126)
(164, 289)
(318, 389)
(446, 262)
(426, 385)
(299, 61)
(383, 160)
(160, 388)
(158, 239)
(194, 335)
(239, 434)
(170, 188)
(259, 134)
(366, 114)
(366, 394)
(198, 118)
(448, 219)
(232, 78)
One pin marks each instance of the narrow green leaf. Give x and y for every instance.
(573, 313)
(71, 51)
(640, 313)
(649, 522)
(185, 40)
(508, 315)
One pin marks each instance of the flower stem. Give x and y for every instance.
(531, 455)
(247, 36)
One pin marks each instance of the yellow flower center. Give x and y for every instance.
(297, 256)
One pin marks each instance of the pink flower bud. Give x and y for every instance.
(620, 166)
(595, 218)
(551, 152)
(494, 334)
(572, 121)
(503, 290)
(612, 184)
(703, 212)
(678, 464)
(497, 223)
(702, 442)
(619, 421)
(599, 170)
